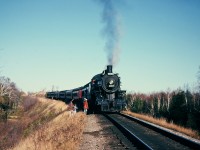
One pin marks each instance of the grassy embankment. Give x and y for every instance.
(162, 122)
(42, 124)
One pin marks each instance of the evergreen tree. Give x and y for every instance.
(137, 105)
(178, 109)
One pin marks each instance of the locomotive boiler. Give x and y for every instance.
(103, 93)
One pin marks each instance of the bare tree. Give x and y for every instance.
(198, 80)
(9, 95)
(5, 86)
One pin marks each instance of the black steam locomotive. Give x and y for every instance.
(103, 93)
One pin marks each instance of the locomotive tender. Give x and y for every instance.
(103, 93)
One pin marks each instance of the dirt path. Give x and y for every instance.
(100, 134)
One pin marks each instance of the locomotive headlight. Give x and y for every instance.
(111, 82)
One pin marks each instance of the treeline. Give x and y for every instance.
(180, 107)
(10, 97)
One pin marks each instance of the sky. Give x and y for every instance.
(62, 44)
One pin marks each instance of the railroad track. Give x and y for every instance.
(144, 135)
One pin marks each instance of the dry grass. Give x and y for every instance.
(61, 133)
(162, 122)
(42, 124)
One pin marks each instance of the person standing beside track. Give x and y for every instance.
(85, 105)
(71, 107)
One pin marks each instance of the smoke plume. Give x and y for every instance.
(111, 30)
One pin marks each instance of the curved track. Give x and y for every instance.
(148, 136)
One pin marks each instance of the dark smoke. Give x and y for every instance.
(111, 31)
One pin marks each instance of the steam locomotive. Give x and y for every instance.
(103, 93)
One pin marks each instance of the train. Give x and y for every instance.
(103, 93)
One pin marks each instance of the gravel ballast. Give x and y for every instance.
(100, 134)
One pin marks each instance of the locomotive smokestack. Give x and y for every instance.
(109, 69)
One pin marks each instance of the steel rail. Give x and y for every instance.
(130, 136)
(173, 136)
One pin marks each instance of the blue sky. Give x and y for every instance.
(45, 43)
